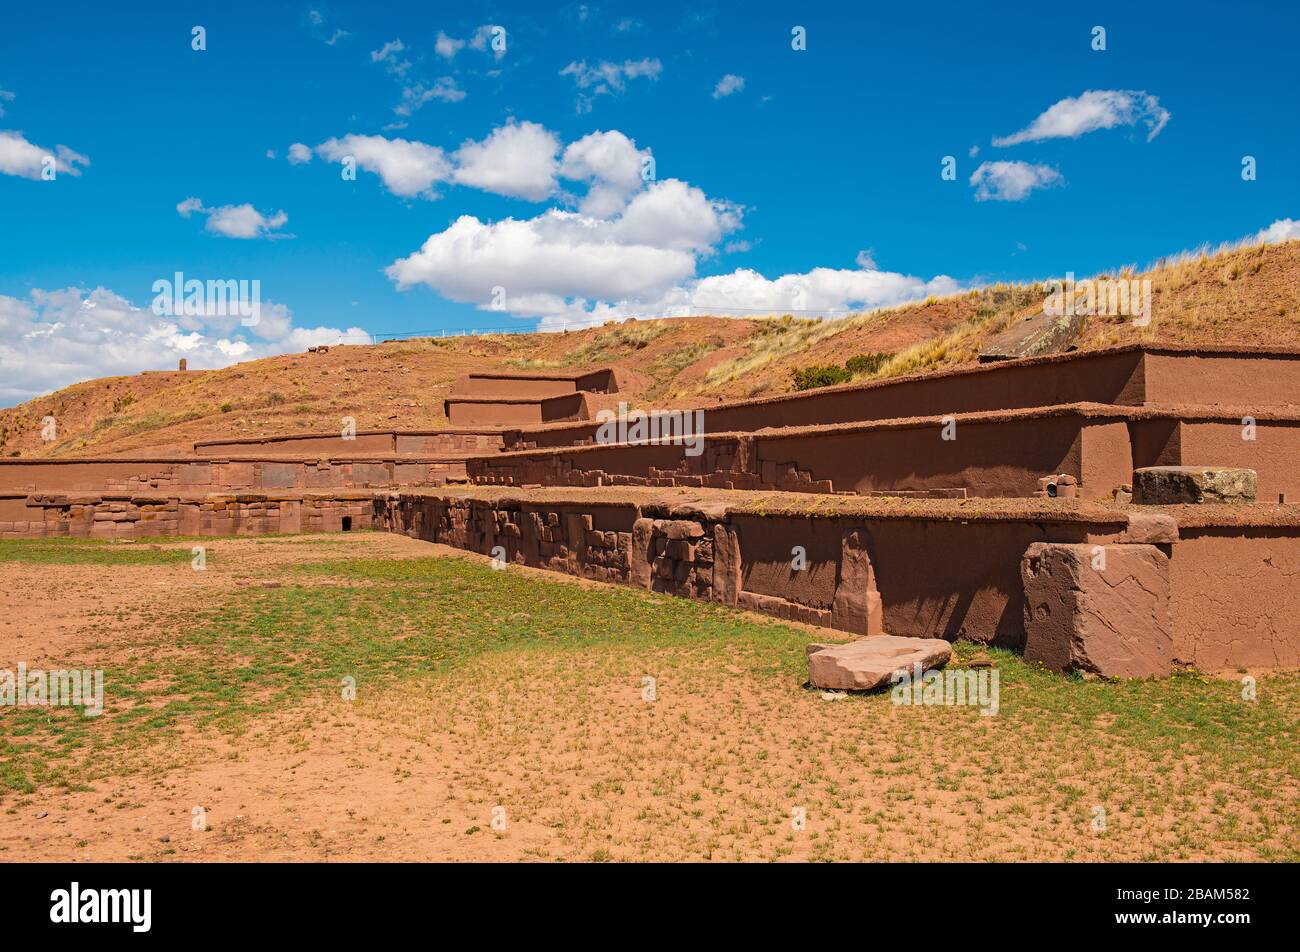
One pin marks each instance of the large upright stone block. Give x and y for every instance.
(290, 516)
(726, 564)
(857, 606)
(639, 558)
(576, 526)
(1100, 609)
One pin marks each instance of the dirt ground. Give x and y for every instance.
(559, 749)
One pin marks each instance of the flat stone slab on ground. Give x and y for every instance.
(869, 662)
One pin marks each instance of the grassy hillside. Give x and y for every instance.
(1248, 294)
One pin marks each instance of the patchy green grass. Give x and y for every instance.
(1184, 767)
(89, 552)
(390, 620)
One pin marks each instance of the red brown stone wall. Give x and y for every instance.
(514, 411)
(113, 475)
(1233, 595)
(985, 458)
(381, 443)
(1236, 595)
(1124, 377)
(130, 517)
(1233, 600)
(1264, 380)
(1273, 452)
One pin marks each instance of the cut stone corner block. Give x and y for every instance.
(1175, 485)
(1101, 609)
(868, 663)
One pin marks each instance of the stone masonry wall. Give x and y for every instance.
(690, 553)
(129, 517)
(214, 475)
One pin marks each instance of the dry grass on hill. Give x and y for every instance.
(1246, 294)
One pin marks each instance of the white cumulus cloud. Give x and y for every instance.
(541, 260)
(416, 95)
(543, 263)
(236, 221)
(728, 84)
(55, 338)
(446, 46)
(26, 160)
(415, 91)
(834, 291)
(480, 40)
(388, 53)
(1095, 109)
(606, 78)
(517, 159)
(483, 37)
(672, 214)
(1284, 229)
(1011, 181)
(408, 169)
(570, 268)
(612, 166)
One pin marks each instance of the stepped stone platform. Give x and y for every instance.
(515, 410)
(1127, 375)
(919, 568)
(990, 504)
(1015, 428)
(999, 453)
(536, 383)
(524, 398)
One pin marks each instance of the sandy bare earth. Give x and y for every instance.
(559, 749)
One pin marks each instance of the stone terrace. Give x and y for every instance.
(991, 504)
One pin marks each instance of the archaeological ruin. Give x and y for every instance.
(1124, 512)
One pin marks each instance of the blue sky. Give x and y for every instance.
(808, 180)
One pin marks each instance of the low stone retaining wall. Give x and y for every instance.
(533, 384)
(137, 516)
(681, 550)
(215, 475)
(926, 569)
(1122, 591)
